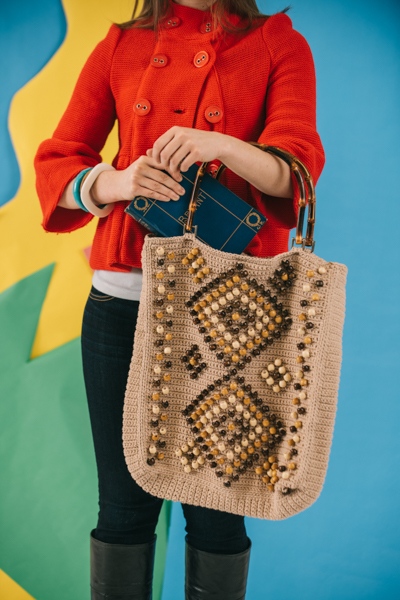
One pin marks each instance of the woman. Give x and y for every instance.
(189, 81)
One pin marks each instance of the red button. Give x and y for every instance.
(213, 114)
(206, 27)
(159, 60)
(201, 59)
(173, 22)
(212, 169)
(142, 107)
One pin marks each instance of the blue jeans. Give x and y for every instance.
(128, 514)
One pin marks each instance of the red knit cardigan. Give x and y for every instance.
(263, 80)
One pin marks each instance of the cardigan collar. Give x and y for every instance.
(192, 23)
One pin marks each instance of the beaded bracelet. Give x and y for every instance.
(76, 188)
(89, 178)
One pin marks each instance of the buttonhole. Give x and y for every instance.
(179, 111)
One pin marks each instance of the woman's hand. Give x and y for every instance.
(142, 178)
(180, 147)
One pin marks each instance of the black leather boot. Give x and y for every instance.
(215, 576)
(121, 572)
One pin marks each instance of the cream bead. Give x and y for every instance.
(170, 309)
(160, 329)
(294, 415)
(277, 362)
(246, 415)
(184, 448)
(200, 460)
(282, 384)
(321, 270)
(157, 370)
(244, 299)
(222, 301)
(258, 429)
(165, 390)
(285, 475)
(306, 353)
(196, 451)
(229, 296)
(195, 464)
(301, 331)
(195, 265)
(236, 292)
(227, 337)
(251, 332)
(265, 320)
(229, 455)
(282, 370)
(224, 405)
(221, 446)
(302, 395)
(239, 408)
(252, 306)
(209, 414)
(184, 460)
(306, 287)
(269, 472)
(221, 327)
(163, 430)
(187, 468)
(259, 312)
(299, 374)
(160, 251)
(252, 436)
(264, 374)
(245, 443)
(208, 310)
(171, 269)
(214, 438)
(270, 380)
(276, 388)
(243, 338)
(214, 319)
(167, 350)
(232, 399)
(156, 409)
(236, 344)
(271, 367)
(203, 419)
(288, 456)
(259, 326)
(178, 452)
(191, 443)
(296, 438)
(209, 429)
(215, 306)
(216, 410)
(237, 449)
(311, 312)
(161, 289)
(152, 449)
(287, 377)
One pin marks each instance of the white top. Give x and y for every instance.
(126, 285)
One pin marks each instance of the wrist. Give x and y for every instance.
(103, 190)
(226, 147)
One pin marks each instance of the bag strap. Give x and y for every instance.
(303, 178)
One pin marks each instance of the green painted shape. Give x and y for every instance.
(48, 496)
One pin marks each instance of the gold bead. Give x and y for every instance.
(155, 437)
(200, 260)
(315, 297)
(236, 278)
(271, 459)
(244, 286)
(164, 417)
(278, 319)
(265, 423)
(270, 327)
(228, 470)
(222, 289)
(265, 479)
(274, 466)
(272, 430)
(229, 283)
(206, 270)
(307, 340)
(260, 299)
(274, 479)
(272, 313)
(227, 349)
(220, 461)
(209, 298)
(231, 426)
(168, 336)
(215, 293)
(185, 261)
(264, 438)
(299, 359)
(257, 443)
(258, 415)
(160, 275)
(291, 466)
(236, 463)
(302, 317)
(171, 255)
(196, 280)
(271, 487)
(310, 273)
(235, 357)
(285, 277)
(249, 345)
(235, 316)
(167, 377)
(194, 251)
(298, 424)
(192, 270)
(252, 294)
(159, 356)
(160, 455)
(156, 396)
(242, 352)
(243, 455)
(296, 401)
(240, 393)
(258, 470)
(233, 385)
(303, 382)
(290, 443)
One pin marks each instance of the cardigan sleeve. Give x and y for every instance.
(79, 137)
(290, 121)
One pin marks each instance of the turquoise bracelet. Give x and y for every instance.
(76, 188)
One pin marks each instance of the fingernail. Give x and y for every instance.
(181, 191)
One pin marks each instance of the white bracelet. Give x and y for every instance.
(85, 191)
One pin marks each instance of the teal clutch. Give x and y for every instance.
(218, 217)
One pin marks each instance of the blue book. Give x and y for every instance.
(222, 219)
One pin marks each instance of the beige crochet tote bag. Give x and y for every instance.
(232, 391)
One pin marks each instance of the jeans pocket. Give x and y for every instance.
(99, 296)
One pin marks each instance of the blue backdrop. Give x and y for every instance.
(347, 544)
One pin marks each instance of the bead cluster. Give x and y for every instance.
(191, 360)
(233, 432)
(276, 375)
(283, 278)
(164, 310)
(197, 267)
(239, 317)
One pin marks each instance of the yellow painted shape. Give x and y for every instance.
(35, 112)
(10, 590)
